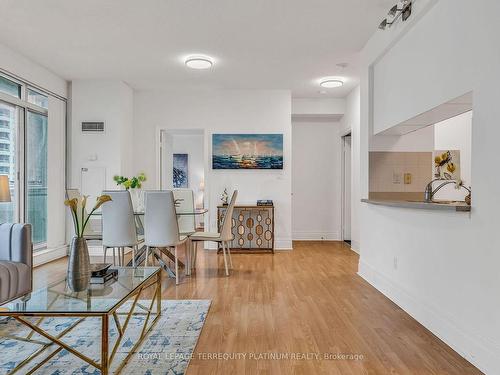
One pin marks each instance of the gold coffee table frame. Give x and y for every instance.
(154, 280)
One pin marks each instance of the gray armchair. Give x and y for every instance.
(16, 261)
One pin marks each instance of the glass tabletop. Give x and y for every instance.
(198, 211)
(58, 298)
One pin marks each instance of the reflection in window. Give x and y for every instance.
(36, 175)
(9, 87)
(38, 99)
(8, 160)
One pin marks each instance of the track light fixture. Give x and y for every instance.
(395, 12)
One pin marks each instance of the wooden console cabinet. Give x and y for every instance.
(252, 227)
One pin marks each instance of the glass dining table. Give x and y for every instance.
(140, 256)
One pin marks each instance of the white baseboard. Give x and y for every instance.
(279, 244)
(355, 246)
(315, 236)
(48, 255)
(283, 244)
(478, 350)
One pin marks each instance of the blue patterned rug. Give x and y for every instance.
(166, 350)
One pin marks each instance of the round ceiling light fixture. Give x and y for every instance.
(199, 62)
(331, 83)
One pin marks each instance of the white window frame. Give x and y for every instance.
(23, 107)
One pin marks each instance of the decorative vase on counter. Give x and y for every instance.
(78, 265)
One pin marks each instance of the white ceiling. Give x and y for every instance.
(257, 44)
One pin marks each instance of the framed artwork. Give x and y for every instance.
(181, 172)
(247, 151)
(447, 164)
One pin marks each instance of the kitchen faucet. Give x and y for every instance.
(429, 192)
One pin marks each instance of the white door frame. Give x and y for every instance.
(343, 136)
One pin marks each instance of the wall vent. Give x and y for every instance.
(92, 127)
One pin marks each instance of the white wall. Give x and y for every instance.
(455, 134)
(316, 181)
(221, 111)
(418, 141)
(111, 102)
(318, 106)
(446, 275)
(351, 122)
(20, 66)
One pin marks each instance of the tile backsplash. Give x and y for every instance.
(399, 172)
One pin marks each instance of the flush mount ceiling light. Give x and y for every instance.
(330, 83)
(199, 62)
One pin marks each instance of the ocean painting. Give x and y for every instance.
(247, 151)
(180, 175)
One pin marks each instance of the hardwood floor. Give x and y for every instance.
(309, 300)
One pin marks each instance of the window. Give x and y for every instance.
(38, 99)
(4, 112)
(24, 156)
(9, 212)
(9, 87)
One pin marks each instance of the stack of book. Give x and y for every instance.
(264, 202)
(103, 277)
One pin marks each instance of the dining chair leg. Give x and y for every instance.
(147, 256)
(105, 248)
(176, 267)
(134, 251)
(187, 246)
(195, 253)
(114, 257)
(229, 254)
(225, 260)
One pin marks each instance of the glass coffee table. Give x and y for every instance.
(98, 300)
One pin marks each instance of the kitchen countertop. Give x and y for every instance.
(453, 206)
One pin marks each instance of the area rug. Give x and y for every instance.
(166, 350)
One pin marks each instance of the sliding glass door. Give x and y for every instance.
(36, 175)
(9, 159)
(23, 156)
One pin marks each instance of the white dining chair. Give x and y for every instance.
(184, 203)
(224, 236)
(90, 233)
(161, 228)
(118, 226)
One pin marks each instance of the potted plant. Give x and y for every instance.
(133, 184)
(79, 260)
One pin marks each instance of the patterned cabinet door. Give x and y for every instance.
(252, 227)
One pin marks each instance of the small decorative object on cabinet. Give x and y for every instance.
(224, 197)
(252, 227)
(79, 270)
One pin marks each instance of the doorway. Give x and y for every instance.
(346, 188)
(182, 162)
